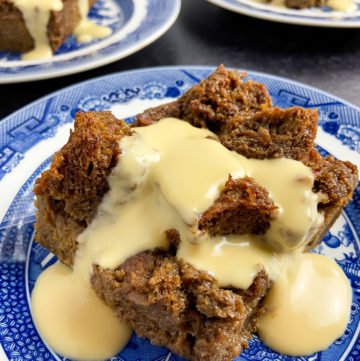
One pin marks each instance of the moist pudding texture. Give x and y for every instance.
(164, 296)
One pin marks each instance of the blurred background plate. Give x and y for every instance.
(311, 17)
(134, 23)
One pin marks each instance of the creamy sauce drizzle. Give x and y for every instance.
(338, 5)
(36, 14)
(167, 176)
(290, 186)
(233, 260)
(87, 30)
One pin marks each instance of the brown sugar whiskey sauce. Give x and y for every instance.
(36, 14)
(168, 174)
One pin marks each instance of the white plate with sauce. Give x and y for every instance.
(334, 17)
(134, 25)
(30, 136)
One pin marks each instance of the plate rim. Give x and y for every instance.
(160, 69)
(180, 67)
(301, 21)
(78, 68)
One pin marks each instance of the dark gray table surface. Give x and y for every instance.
(204, 34)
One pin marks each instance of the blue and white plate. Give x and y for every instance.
(134, 23)
(29, 137)
(324, 16)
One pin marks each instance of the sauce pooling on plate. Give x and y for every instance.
(36, 14)
(308, 306)
(72, 319)
(87, 30)
(168, 174)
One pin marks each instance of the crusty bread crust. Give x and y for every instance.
(69, 193)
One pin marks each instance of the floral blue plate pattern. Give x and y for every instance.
(134, 24)
(29, 137)
(324, 17)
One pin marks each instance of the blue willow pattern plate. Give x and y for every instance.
(134, 24)
(324, 16)
(29, 137)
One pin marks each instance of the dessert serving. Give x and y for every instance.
(192, 227)
(37, 28)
